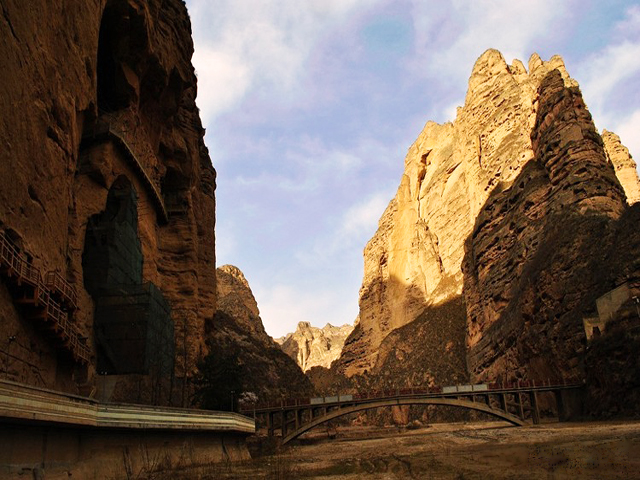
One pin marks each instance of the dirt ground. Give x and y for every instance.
(484, 450)
(604, 450)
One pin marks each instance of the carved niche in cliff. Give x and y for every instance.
(133, 326)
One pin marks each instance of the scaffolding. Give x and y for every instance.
(132, 323)
(134, 331)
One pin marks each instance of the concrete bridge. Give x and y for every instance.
(516, 403)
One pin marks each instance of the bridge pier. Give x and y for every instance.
(270, 427)
(520, 406)
(560, 405)
(535, 411)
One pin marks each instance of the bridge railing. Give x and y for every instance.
(464, 389)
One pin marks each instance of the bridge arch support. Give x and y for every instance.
(451, 402)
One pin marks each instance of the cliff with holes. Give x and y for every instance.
(490, 253)
(107, 191)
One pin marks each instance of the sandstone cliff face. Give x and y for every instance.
(533, 263)
(625, 166)
(523, 141)
(237, 327)
(315, 347)
(90, 92)
(414, 260)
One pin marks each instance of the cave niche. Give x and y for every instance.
(133, 328)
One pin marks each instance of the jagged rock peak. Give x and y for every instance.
(625, 166)
(235, 272)
(237, 328)
(312, 346)
(413, 263)
(236, 298)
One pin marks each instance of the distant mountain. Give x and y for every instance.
(237, 329)
(315, 347)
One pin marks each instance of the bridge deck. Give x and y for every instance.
(371, 397)
(515, 404)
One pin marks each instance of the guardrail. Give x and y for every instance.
(465, 389)
(26, 403)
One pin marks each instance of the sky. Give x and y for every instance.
(311, 105)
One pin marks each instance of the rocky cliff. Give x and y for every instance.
(625, 166)
(315, 347)
(236, 327)
(535, 261)
(487, 191)
(101, 135)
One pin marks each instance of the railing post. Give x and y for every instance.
(503, 401)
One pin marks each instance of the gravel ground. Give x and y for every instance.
(602, 450)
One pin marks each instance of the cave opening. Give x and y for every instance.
(113, 89)
(175, 188)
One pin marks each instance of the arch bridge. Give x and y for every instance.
(516, 403)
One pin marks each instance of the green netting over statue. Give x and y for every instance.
(132, 323)
(134, 331)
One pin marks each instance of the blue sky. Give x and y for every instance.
(311, 105)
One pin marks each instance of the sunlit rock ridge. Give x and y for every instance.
(315, 347)
(461, 178)
(237, 330)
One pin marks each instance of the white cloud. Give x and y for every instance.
(222, 80)
(362, 219)
(628, 129)
(630, 26)
(612, 72)
(462, 30)
(241, 46)
(607, 69)
(282, 306)
(353, 230)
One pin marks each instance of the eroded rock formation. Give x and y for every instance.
(625, 166)
(237, 327)
(494, 190)
(315, 347)
(92, 92)
(534, 260)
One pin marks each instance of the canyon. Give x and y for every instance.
(510, 251)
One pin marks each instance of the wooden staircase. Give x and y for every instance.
(49, 301)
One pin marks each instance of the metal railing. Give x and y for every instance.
(21, 271)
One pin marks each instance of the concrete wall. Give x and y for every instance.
(50, 435)
(62, 452)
